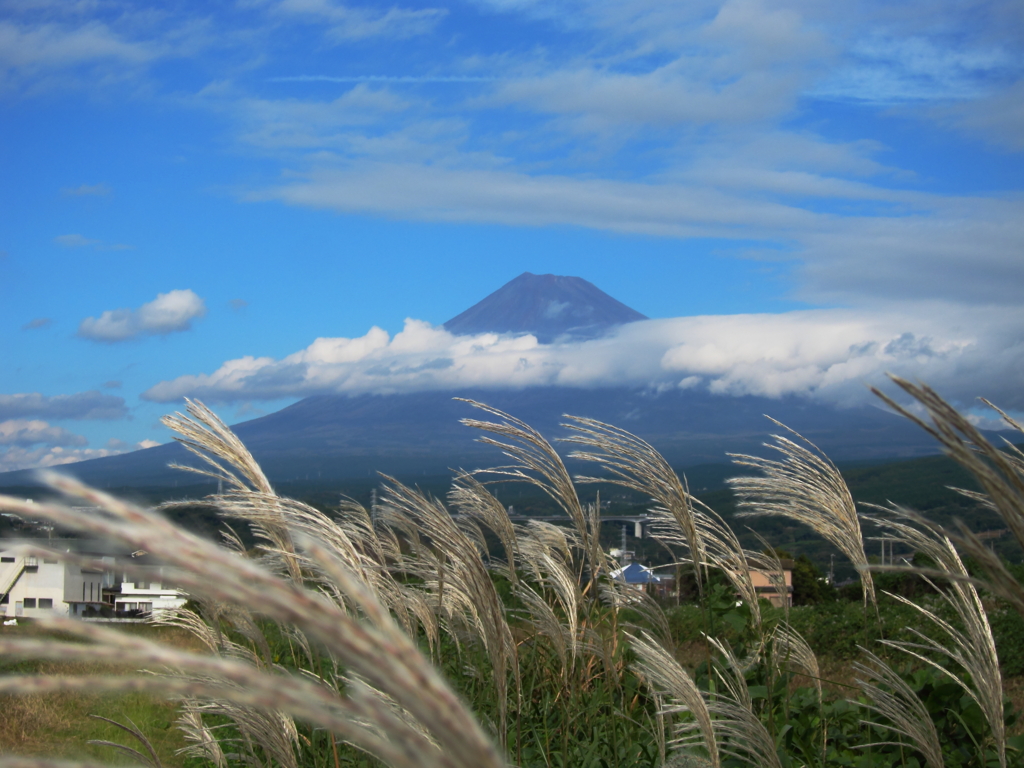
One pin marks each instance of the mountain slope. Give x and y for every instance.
(548, 306)
(413, 434)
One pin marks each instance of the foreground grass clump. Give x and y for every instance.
(424, 632)
(59, 724)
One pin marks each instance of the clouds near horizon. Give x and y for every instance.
(32, 455)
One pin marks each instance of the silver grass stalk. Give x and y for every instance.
(722, 550)
(973, 648)
(202, 743)
(740, 731)
(17, 761)
(379, 651)
(537, 463)
(149, 757)
(635, 464)
(553, 575)
(666, 676)
(277, 522)
(897, 703)
(999, 471)
(805, 486)
(621, 595)
(545, 622)
(199, 676)
(472, 499)
(791, 651)
(204, 435)
(467, 584)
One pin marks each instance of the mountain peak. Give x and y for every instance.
(548, 306)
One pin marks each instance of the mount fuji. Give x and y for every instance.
(342, 436)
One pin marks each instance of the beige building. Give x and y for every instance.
(767, 585)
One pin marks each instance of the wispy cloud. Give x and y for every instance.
(24, 433)
(170, 312)
(80, 241)
(895, 70)
(37, 323)
(381, 79)
(346, 22)
(20, 457)
(81, 405)
(910, 245)
(87, 190)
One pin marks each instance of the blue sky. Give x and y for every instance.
(802, 196)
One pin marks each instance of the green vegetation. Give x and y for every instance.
(405, 635)
(59, 723)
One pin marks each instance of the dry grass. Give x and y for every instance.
(58, 724)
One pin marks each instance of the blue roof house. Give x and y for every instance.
(636, 576)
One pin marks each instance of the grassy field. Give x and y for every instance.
(59, 724)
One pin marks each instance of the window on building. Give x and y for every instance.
(46, 602)
(6, 559)
(49, 561)
(30, 602)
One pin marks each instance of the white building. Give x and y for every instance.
(37, 587)
(144, 590)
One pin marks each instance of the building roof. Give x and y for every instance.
(634, 573)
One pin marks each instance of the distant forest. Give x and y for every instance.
(924, 485)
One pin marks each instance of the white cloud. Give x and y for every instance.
(24, 433)
(888, 70)
(346, 22)
(81, 405)
(823, 354)
(52, 45)
(168, 313)
(998, 116)
(18, 457)
(910, 244)
(296, 124)
(438, 193)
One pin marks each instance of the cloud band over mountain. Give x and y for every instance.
(828, 355)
